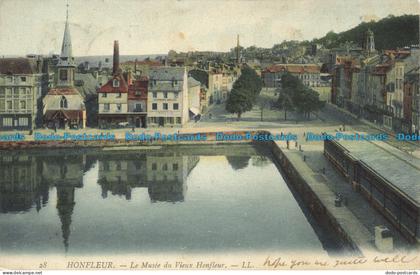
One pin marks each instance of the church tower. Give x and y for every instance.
(64, 106)
(66, 65)
(369, 42)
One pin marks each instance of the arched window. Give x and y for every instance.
(63, 102)
(115, 83)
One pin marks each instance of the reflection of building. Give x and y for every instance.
(20, 185)
(118, 174)
(66, 174)
(164, 174)
(167, 174)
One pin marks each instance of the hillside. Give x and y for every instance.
(390, 32)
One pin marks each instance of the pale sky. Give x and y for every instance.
(156, 26)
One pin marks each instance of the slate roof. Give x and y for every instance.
(17, 66)
(89, 84)
(399, 169)
(167, 74)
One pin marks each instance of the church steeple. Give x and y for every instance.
(66, 65)
(66, 56)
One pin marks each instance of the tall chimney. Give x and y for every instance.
(237, 50)
(116, 60)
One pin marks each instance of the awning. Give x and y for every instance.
(195, 111)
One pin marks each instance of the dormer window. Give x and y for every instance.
(115, 83)
(63, 103)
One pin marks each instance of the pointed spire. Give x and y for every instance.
(66, 48)
(65, 207)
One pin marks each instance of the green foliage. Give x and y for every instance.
(244, 92)
(390, 33)
(285, 101)
(239, 101)
(201, 76)
(295, 96)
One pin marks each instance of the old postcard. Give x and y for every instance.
(209, 135)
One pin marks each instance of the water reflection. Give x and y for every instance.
(25, 180)
(21, 185)
(112, 179)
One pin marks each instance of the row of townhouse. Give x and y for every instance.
(380, 87)
(40, 92)
(166, 96)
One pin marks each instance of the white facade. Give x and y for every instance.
(112, 103)
(167, 99)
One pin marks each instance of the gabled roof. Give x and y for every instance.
(109, 88)
(17, 66)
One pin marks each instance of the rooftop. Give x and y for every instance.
(109, 87)
(401, 170)
(294, 68)
(167, 73)
(17, 66)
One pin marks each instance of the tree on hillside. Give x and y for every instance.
(390, 32)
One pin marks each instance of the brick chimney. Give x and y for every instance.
(116, 60)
